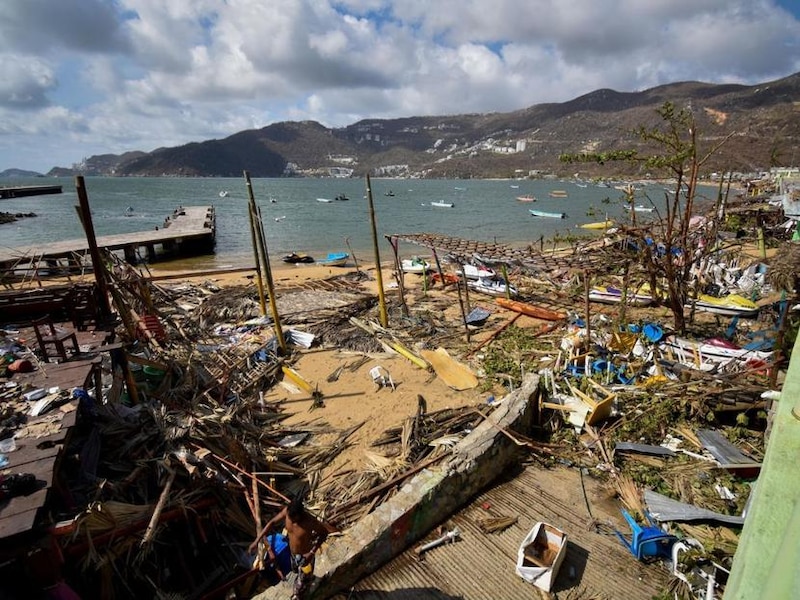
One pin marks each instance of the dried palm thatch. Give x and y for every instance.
(784, 270)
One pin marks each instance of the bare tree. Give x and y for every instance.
(670, 247)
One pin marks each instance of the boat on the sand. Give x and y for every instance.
(415, 265)
(296, 258)
(493, 286)
(731, 305)
(531, 310)
(612, 295)
(334, 259)
(477, 271)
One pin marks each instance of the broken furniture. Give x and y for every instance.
(48, 335)
(540, 555)
(647, 541)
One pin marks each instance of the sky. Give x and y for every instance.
(85, 77)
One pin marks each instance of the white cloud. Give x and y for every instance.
(117, 75)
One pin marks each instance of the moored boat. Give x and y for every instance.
(558, 193)
(442, 204)
(531, 310)
(324, 200)
(598, 225)
(223, 194)
(640, 208)
(334, 259)
(526, 198)
(546, 214)
(540, 555)
(341, 198)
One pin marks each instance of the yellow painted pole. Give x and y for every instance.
(384, 317)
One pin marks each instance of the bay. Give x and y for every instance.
(484, 210)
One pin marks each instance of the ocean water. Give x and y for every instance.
(484, 210)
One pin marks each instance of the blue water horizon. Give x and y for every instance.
(295, 221)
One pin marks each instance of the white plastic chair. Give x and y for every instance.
(381, 377)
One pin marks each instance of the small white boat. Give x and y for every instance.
(223, 194)
(324, 199)
(540, 555)
(443, 204)
(477, 271)
(640, 208)
(415, 265)
(493, 286)
(547, 214)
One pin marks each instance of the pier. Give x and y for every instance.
(188, 230)
(21, 191)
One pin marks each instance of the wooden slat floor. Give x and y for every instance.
(481, 566)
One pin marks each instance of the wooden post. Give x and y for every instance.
(262, 242)
(259, 281)
(97, 263)
(401, 283)
(384, 317)
(461, 304)
(588, 311)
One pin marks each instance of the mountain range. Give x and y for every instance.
(764, 121)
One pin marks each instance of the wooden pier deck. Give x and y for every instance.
(190, 227)
(20, 191)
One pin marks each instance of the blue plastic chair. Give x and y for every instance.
(648, 541)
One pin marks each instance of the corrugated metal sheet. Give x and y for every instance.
(664, 508)
(481, 565)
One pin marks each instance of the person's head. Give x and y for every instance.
(296, 510)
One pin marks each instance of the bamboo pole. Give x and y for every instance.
(262, 243)
(384, 317)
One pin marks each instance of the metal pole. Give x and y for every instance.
(265, 264)
(384, 317)
(97, 263)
